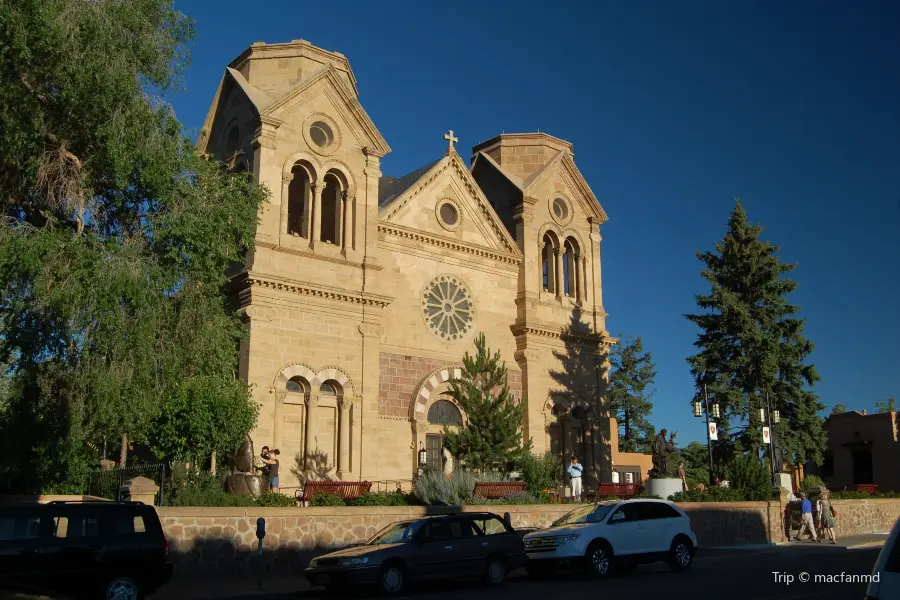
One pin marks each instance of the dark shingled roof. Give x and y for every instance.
(391, 187)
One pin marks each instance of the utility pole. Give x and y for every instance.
(708, 439)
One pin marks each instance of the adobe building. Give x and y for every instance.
(365, 291)
(862, 448)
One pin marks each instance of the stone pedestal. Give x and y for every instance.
(664, 486)
(140, 489)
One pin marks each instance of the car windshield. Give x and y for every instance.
(580, 515)
(396, 533)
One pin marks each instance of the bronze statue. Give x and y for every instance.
(661, 450)
(245, 482)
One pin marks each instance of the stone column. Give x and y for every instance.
(286, 179)
(584, 280)
(541, 269)
(558, 273)
(345, 221)
(588, 446)
(317, 189)
(279, 420)
(311, 403)
(344, 405)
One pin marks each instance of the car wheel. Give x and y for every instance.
(599, 557)
(392, 579)
(681, 555)
(495, 570)
(123, 588)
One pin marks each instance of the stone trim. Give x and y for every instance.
(591, 339)
(365, 299)
(315, 379)
(428, 385)
(447, 244)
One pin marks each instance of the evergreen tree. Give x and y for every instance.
(838, 409)
(115, 244)
(886, 406)
(631, 375)
(751, 345)
(492, 438)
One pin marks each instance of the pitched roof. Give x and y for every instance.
(391, 187)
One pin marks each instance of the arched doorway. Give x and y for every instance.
(442, 413)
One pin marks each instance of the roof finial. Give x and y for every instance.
(450, 141)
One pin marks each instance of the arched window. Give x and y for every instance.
(328, 388)
(331, 209)
(570, 268)
(548, 263)
(299, 192)
(444, 412)
(297, 385)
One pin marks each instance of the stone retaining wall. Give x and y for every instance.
(223, 539)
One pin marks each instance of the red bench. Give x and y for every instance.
(492, 490)
(348, 490)
(620, 490)
(869, 488)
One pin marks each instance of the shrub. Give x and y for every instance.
(384, 499)
(493, 477)
(713, 494)
(326, 499)
(201, 489)
(644, 494)
(275, 499)
(541, 473)
(850, 495)
(517, 498)
(750, 478)
(433, 488)
(811, 481)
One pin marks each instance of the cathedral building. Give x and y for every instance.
(364, 291)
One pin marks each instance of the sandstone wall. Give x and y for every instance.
(856, 517)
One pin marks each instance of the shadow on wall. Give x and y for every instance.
(315, 468)
(582, 380)
(717, 527)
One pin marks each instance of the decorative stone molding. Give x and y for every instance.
(419, 427)
(266, 313)
(335, 141)
(533, 355)
(428, 385)
(291, 370)
(367, 299)
(446, 244)
(569, 208)
(312, 401)
(345, 404)
(590, 339)
(439, 213)
(287, 178)
(335, 374)
(371, 330)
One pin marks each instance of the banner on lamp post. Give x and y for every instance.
(713, 432)
(766, 438)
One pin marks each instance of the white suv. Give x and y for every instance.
(614, 535)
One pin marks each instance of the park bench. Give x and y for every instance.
(348, 490)
(492, 490)
(869, 488)
(619, 490)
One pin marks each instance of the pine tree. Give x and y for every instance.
(838, 409)
(751, 344)
(492, 437)
(632, 374)
(886, 406)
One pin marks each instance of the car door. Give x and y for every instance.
(434, 557)
(22, 564)
(470, 546)
(626, 529)
(661, 524)
(73, 546)
(499, 539)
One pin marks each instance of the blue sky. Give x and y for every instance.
(674, 108)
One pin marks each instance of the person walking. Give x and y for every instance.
(807, 523)
(826, 517)
(575, 473)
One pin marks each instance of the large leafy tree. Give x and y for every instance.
(751, 346)
(492, 437)
(115, 243)
(886, 406)
(630, 382)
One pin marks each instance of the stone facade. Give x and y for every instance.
(223, 538)
(364, 291)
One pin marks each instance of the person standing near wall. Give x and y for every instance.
(575, 473)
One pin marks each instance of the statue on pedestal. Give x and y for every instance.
(245, 482)
(661, 450)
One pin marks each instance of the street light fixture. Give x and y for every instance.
(698, 408)
(776, 416)
(715, 410)
(762, 415)
(423, 456)
(698, 412)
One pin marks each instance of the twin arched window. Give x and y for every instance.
(562, 267)
(299, 385)
(332, 224)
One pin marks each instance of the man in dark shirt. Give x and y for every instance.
(271, 459)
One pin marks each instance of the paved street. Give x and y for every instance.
(734, 575)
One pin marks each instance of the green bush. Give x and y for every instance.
(811, 481)
(187, 488)
(275, 499)
(516, 498)
(433, 488)
(541, 473)
(384, 499)
(326, 499)
(713, 494)
(644, 494)
(492, 477)
(748, 476)
(850, 495)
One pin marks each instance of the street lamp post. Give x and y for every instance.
(697, 413)
(770, 416)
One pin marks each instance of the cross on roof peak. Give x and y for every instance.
(450, 140)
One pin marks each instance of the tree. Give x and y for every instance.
(492, 437)
(631, 376)
(838, 409)
(751, 346)
(696, 461)
(886, 406)
(116, 240)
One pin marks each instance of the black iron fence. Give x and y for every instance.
(108, 483)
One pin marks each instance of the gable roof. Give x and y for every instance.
(352, 111)
(453, 161)
(391, 187)
(258, 101)
(486, 158)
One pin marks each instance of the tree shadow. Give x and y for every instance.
(314, 468)
(581, 387)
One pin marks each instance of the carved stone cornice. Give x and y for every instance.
(371, 330)
(585, 339)
(266, 313)
(530, 355)
(307, 290)
(419, 427)
(345, 403)
(311, 401)
(447, 244)
(286, 178)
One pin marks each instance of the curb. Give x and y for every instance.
(866, 545)
(744, 547)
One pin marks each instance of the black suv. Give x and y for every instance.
(109, 550)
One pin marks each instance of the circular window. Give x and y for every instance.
(448, 214)
(447, 307)
(321, 134)
(560, 210)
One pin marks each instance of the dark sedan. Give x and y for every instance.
(456, 546)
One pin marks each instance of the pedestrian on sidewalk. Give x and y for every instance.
(575, 473)
(271, 459)
(826, 517)
(807, 523)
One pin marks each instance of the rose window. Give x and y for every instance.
(448, 308)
